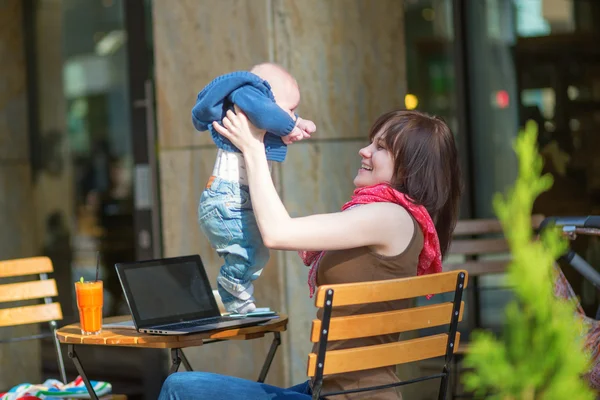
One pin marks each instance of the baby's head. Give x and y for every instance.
(284, 86)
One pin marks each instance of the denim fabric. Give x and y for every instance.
(226, 218)
(205, 385)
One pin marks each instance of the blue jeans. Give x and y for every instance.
(205, 385)
(226, 217)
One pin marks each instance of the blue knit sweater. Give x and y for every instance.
(252, 95)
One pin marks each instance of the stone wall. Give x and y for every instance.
(19, 362)
(348, 57)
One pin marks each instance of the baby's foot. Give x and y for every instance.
(247, 308)
(238, 306)
(236, 298)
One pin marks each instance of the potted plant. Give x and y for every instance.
(540, 354)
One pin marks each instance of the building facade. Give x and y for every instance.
(98, 154)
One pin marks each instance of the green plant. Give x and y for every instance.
(540, 354)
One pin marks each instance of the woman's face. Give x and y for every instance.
(377, 164)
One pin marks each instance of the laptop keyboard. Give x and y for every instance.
(202, 322)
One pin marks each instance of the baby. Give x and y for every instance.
(269, 96)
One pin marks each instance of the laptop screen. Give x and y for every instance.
(168, 290)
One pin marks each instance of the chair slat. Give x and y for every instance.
(477, 227)
(25, 266)
(28, 290)
(485, 226)
(477, 268)
(30, 314)
(383, 323)
(389, 290)
(368, 357)
(478, 246)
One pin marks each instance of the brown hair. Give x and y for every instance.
(426, 165)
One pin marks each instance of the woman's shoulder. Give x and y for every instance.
(386, 214)
(389, 211)
(398, 224)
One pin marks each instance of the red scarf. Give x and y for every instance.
(430, 259)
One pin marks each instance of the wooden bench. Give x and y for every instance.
(478, 247)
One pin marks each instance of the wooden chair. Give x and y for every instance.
(356, 326)
(42, 288)
(478, 247)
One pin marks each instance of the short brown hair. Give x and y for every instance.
(426, 166)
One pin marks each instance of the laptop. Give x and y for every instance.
(172, 296)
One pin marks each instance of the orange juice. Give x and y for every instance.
(89, 301)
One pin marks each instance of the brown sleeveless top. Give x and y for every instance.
(363, 265)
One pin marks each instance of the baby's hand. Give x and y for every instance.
(306, 126)
(303, 129)
(294, 136)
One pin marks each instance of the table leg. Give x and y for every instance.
(186, 363)
(73, 356)
(274, 344)
(176, 360)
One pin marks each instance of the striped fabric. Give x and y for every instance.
(54, 389)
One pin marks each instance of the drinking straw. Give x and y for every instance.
(97, 265)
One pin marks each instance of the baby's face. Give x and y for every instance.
(287, 96)
(284, 86)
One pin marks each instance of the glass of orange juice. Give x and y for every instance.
(89, 302)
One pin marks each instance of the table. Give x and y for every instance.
(71, 336)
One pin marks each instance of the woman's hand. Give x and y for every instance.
(240, 131)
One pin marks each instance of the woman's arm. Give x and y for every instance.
(386, 227)
(375, 224)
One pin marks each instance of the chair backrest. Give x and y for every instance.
(43, 288)
(478, 245)
(383, 323)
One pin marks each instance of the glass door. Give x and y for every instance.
(94, 167)
(109, 119)
(97, 96)
(558, 66)
(93, 106)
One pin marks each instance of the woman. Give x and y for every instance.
(409, 180)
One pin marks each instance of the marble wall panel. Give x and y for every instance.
(348, 57)
(195, 41)
(13, 90)
(184, 174)
(19, 362)
(16, 212)
(317, 178)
